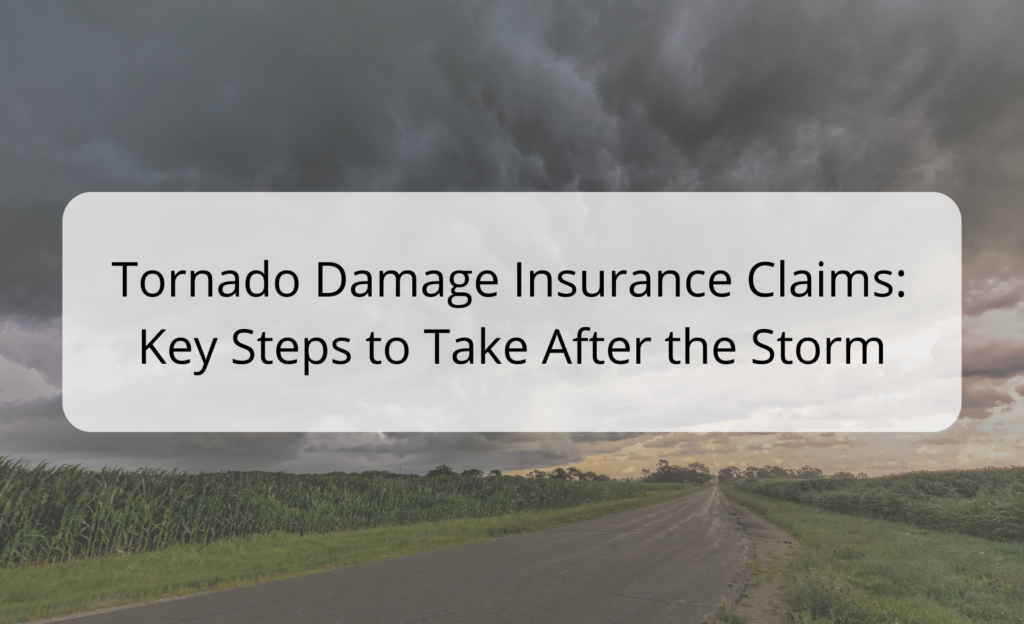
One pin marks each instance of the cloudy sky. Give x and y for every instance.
(682, 96)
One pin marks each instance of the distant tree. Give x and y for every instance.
(730, 472)
(809, 472)
(441, 471)
(665, 472)
(750, 472)
(494, 473)
(473, 472)
(843, 475)
(863, 475)
(564, 474)
(384, 474)
(698, 467)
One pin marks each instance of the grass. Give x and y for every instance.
(41, 591)
(862, 570)
(986, 503)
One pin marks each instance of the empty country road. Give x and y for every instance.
(671, 562)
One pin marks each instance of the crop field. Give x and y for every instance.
(853, 569)
(983, 503)
(57, 514)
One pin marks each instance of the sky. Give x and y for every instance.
(497, 96)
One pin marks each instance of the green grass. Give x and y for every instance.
(985, 503)
(861, 570)
(40, 591)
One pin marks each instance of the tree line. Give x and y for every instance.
(767, 472)
(571, 473)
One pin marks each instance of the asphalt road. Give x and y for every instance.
(670, 562)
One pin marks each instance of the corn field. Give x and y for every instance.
(983, 503)
(55, 514)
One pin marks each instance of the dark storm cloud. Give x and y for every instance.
(981, 399)
(995, 358)
(37, 430)
(302, 96)
(35, 346)
(30, 288)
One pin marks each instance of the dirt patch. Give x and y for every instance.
(772, 550)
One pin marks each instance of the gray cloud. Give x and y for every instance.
(993, 293)
(872, 96)
(37, 430)
(35, 346)
(996, 358)
(816, 441)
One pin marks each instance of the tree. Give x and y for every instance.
(809, 472)
(730, 472)
(473, 472)
(750, 472)
(665, 472)
(698, 467)
(441, 471)
(863, 475)
(494, 473)
(562, 474)
(842, 475)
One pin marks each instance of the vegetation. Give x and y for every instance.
(984, 503)
(33, 592)
(54, 514)
(774, 472)
(856, 570)
(695, 472)
(568, 474)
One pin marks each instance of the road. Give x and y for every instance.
(671, 562)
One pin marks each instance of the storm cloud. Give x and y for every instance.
(316, 96)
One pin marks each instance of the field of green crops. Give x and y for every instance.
(54, 514)
(983, 503)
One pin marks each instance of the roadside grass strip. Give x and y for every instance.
(857, 570)
(984, 503)
(33, 592)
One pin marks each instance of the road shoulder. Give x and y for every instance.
(772, 551)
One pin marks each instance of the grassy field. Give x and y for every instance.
(39, 591)
(860, 570)
(56, 514)
(984, 503)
